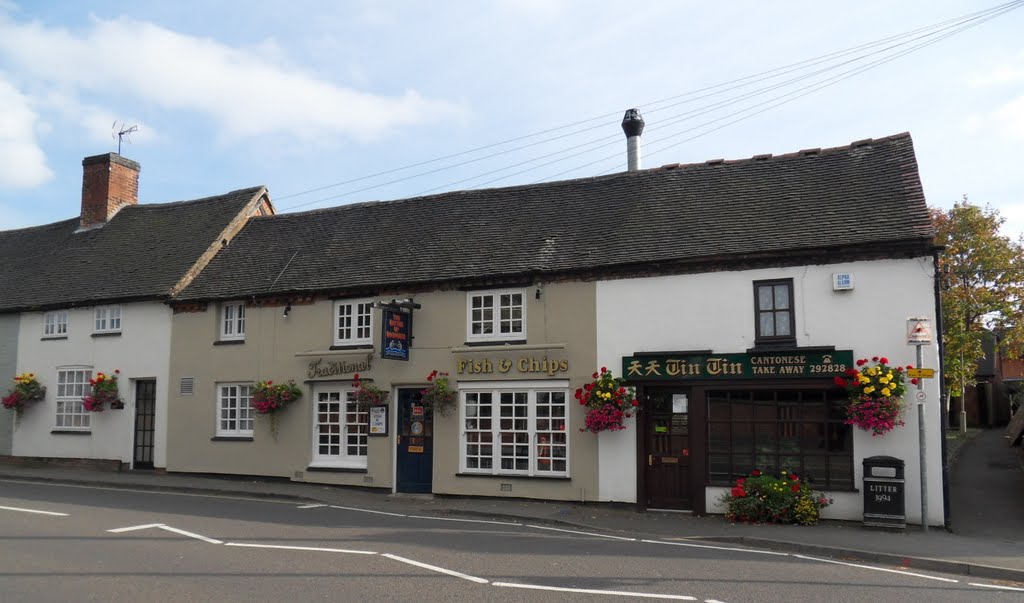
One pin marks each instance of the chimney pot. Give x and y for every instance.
(633, 126)
(109, 182)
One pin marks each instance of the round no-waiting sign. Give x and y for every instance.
(921, 396)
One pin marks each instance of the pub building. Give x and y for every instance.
(711, 287)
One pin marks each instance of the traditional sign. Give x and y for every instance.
(378, 420)
(319, 368)
(396, 336)
(918, 331)
(768, 365)
(523, 364)
(921, 373)
(416, 449)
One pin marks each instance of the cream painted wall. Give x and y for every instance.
(8, 364)
(560, 325)
(715, 311)
(140, 352)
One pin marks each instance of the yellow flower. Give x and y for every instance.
(869, 389)
(873, 371)
(886, 392)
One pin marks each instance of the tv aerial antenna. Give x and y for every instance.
(122, 133)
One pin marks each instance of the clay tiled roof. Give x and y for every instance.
(140, 254)
(865, 195)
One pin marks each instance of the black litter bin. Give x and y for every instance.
(884, 488)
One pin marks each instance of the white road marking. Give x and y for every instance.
(877, 569)
(996, 586)
(717, 548)
(34, 511)
(497, 523)
(160, 492)
(368, 511)
(298, 548)
(315, 506)
(436, 569)
(712, 601)
(192, 535)
(167, 528)
(582, 533)
(133, 528)
(591, 591)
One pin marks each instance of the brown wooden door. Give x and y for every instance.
(667, 450)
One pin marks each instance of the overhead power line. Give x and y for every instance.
(938, 31)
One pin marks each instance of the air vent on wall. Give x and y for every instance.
(188, 385)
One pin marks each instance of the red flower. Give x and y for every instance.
(874, 359)
(741, 481)
(851, 372)
(636, 403)
(793, 477)
(883, 360)
(795, 488)
(595, 375)
(861, 362)
(910, 366)
(355, 377)
(755, 473)
(738, 492)
(840, 381)
(604, 369)
(913, 381)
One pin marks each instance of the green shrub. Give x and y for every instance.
(781, 498)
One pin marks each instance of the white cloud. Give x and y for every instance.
(1008, 72)
(245, 92)
(1009, 119)
(22, 162)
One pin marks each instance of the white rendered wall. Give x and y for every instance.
(715, 311)
(140, 352)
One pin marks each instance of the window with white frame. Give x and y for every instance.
(232, 321)
(496, 315)
(72, 386)
(353, 322)
(55, 323)
(107, 319)
(234, 409)
(515, 429)
(340, 429)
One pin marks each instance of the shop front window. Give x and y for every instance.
(802, 431)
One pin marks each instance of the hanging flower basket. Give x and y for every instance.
(26, 390)
(268, 398)
(439, 396)
(104, 391)
(609, 402)
(876, 395)
(368, 394)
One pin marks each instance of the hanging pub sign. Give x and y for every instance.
(767, 365)
(396, 334)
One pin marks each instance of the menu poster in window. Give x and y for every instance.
(680, 404)
(378, 420)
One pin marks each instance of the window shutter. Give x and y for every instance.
(188, 385)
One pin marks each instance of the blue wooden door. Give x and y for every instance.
(415, 443)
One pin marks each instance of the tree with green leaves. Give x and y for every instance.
(982, 284)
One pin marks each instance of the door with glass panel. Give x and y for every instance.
(667, 449)
(415, 441)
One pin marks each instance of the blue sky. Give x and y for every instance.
(303, 95)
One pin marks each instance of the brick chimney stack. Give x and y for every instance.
(109, 182)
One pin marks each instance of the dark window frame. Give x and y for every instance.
(795, 415)
(759, 337)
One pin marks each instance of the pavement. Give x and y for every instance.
(986, 540)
